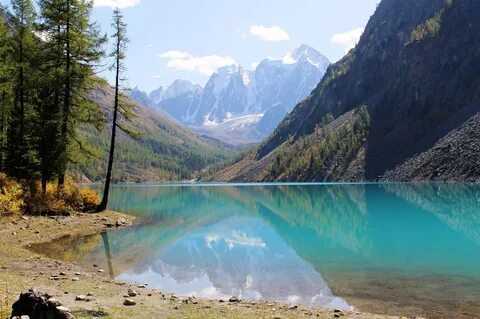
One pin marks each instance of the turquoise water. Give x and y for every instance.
(386, 248)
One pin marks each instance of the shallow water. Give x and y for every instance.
(386, 248)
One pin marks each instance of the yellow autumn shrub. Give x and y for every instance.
(90, 199)
(63, 201)
(11, 196)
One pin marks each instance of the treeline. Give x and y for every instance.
(48, 61)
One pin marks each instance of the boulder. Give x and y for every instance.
(234, 299)
(37, 305)
(129, 302)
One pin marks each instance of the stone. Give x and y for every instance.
(132, 293)
(62, 308)
(129, 302)
(34, 305)
(233, 299)
(75, 279)
(293, 307)
(54, 302)
(81, 298)
(101, 271)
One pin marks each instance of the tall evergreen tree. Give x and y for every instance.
(5, 88)
(118, 54)
(77, 50)
(21, 151)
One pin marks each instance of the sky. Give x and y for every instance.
(190, 39)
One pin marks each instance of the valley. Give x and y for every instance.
(239, 106)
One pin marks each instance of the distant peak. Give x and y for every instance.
(181, 82)
(304, 50)
(228, 69)
(306, 53)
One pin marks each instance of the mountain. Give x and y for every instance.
(402, 105)
(240, 106)
(164, 151)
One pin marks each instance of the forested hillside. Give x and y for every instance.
(162, 151)
(415, 71)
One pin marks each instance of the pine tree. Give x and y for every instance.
(77, 51)
(20, 149)
(5, 88)
(121, 40)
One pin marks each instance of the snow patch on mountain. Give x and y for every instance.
(235, 98)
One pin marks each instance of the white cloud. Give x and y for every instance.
(206, 65)
(116, 3)
(348, 40)
(271, 34)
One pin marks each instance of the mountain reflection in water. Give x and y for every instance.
(399, 249)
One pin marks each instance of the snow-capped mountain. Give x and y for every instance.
(233, 94)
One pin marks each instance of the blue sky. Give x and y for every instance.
(188, 39)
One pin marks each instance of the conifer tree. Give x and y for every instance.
(5, 88)
(20, 148)
(118, 54)
(77, 50)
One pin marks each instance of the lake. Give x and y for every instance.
(384, 248)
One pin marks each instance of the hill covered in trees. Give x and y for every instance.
(161, 150)
(402, 105)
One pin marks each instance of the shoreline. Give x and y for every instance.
(21, 269)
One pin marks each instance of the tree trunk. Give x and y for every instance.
(66, 105)
(44, 184)
(106, 192)
(4, 132)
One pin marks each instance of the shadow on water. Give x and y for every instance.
(394, 248)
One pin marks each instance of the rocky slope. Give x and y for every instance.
(241, 106)
(415, 71)
(454, 158)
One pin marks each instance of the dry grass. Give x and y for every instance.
(5, 306)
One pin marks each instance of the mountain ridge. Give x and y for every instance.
(232, 92)
(414, 70)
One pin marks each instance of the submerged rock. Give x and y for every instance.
(36, 305)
